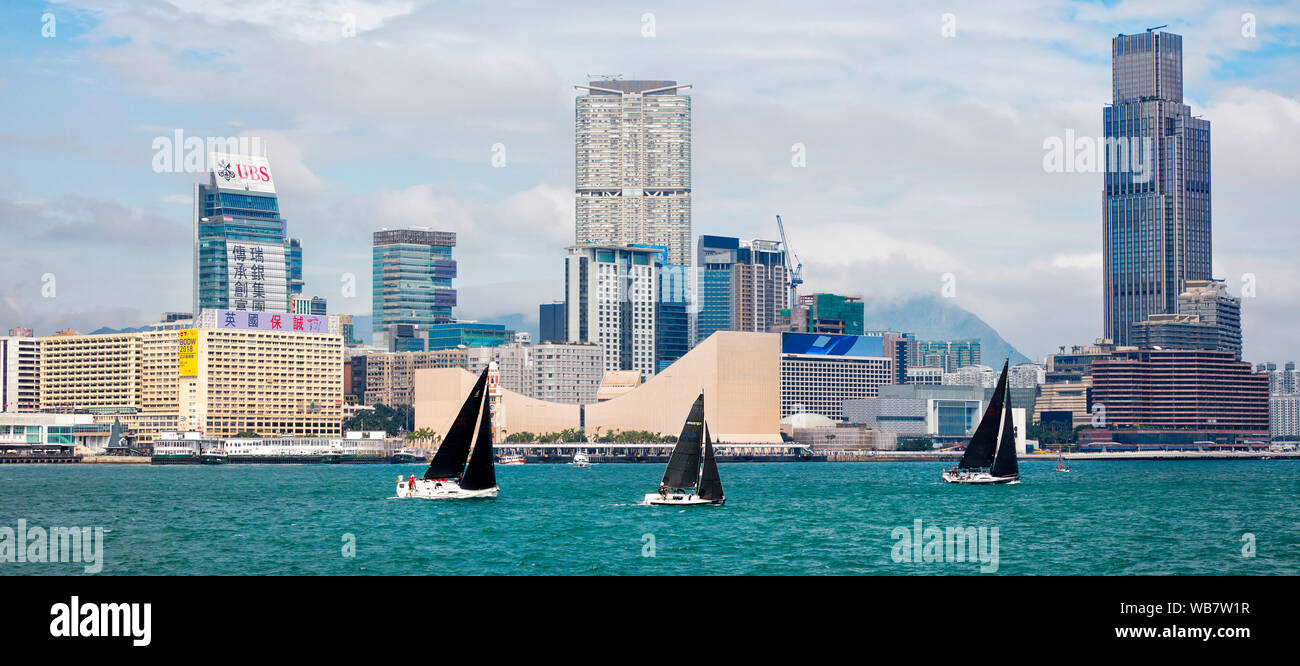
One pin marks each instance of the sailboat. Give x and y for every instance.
(1061, 465)
(449, 476)
(990, 457)
(688, 480)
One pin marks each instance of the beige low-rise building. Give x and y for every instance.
(739, 374)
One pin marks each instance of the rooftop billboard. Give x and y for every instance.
(823, 344)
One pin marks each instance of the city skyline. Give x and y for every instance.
(83, 202)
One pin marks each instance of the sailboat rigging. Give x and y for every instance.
(463, 467)
(990, 456)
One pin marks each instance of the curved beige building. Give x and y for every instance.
(738, 372)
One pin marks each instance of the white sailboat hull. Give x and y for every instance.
(950, 476)
(438, 490)
(678, 499)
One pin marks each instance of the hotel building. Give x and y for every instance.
(1165, 395)
(820, 372)
(270, 373)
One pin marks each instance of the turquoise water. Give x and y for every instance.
(1105, 517)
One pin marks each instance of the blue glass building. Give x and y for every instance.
(1156, 221)
(243, 257)
(411, 276)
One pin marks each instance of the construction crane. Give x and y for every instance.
(792, 265)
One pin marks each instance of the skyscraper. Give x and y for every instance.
(1155, 220)
(611, 297)
(741, 286)
(633, 166)
(411, 273)
(243, 257)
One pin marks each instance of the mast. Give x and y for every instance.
(979, 452)
(481, 472)
(710, 482)
(1005, 463)
(684, 464)
(449, 461)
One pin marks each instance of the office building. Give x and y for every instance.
(632, 145)
(243, 256)
(552, 321)
(19, 373)
(828, 313)
(388, 378)
(1156, 216)
(740, 285)
(567, 373)
(672, 315)
(819, 372)
(950, 355)
(1025, 376)
(468, 334)
(411, 275)
(1064, 401)
(1284, 416)
(611, 294)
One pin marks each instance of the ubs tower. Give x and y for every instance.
(243, 257)
(1156, 209)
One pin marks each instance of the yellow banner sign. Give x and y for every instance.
(188, 352)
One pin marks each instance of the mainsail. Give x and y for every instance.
(481, 472)
(449, 461)
(710, 482)
(684, 463)
(979, 452)
(1005, 463)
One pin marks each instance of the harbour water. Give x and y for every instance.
(1104, 517)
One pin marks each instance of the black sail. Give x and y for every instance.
(710, 482)
(979, 452)
(1005, 463)
(449, 461)
(684, 463)
(481, 473)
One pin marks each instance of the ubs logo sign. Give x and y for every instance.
(224, 170)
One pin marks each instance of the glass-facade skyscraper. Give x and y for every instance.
(740, 286)
(1156, 221)
(411, 273)
(243, 257)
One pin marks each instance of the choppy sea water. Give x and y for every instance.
(1104, 517)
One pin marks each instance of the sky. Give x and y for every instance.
(921, 129)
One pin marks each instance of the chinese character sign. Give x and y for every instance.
(257, 276)
(246, 320)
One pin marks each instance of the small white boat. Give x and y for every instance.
(690, 480)
(990, 456)
(450, 476)
(581, 460)
(512, 459)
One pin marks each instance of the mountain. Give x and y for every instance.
(932, 318)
